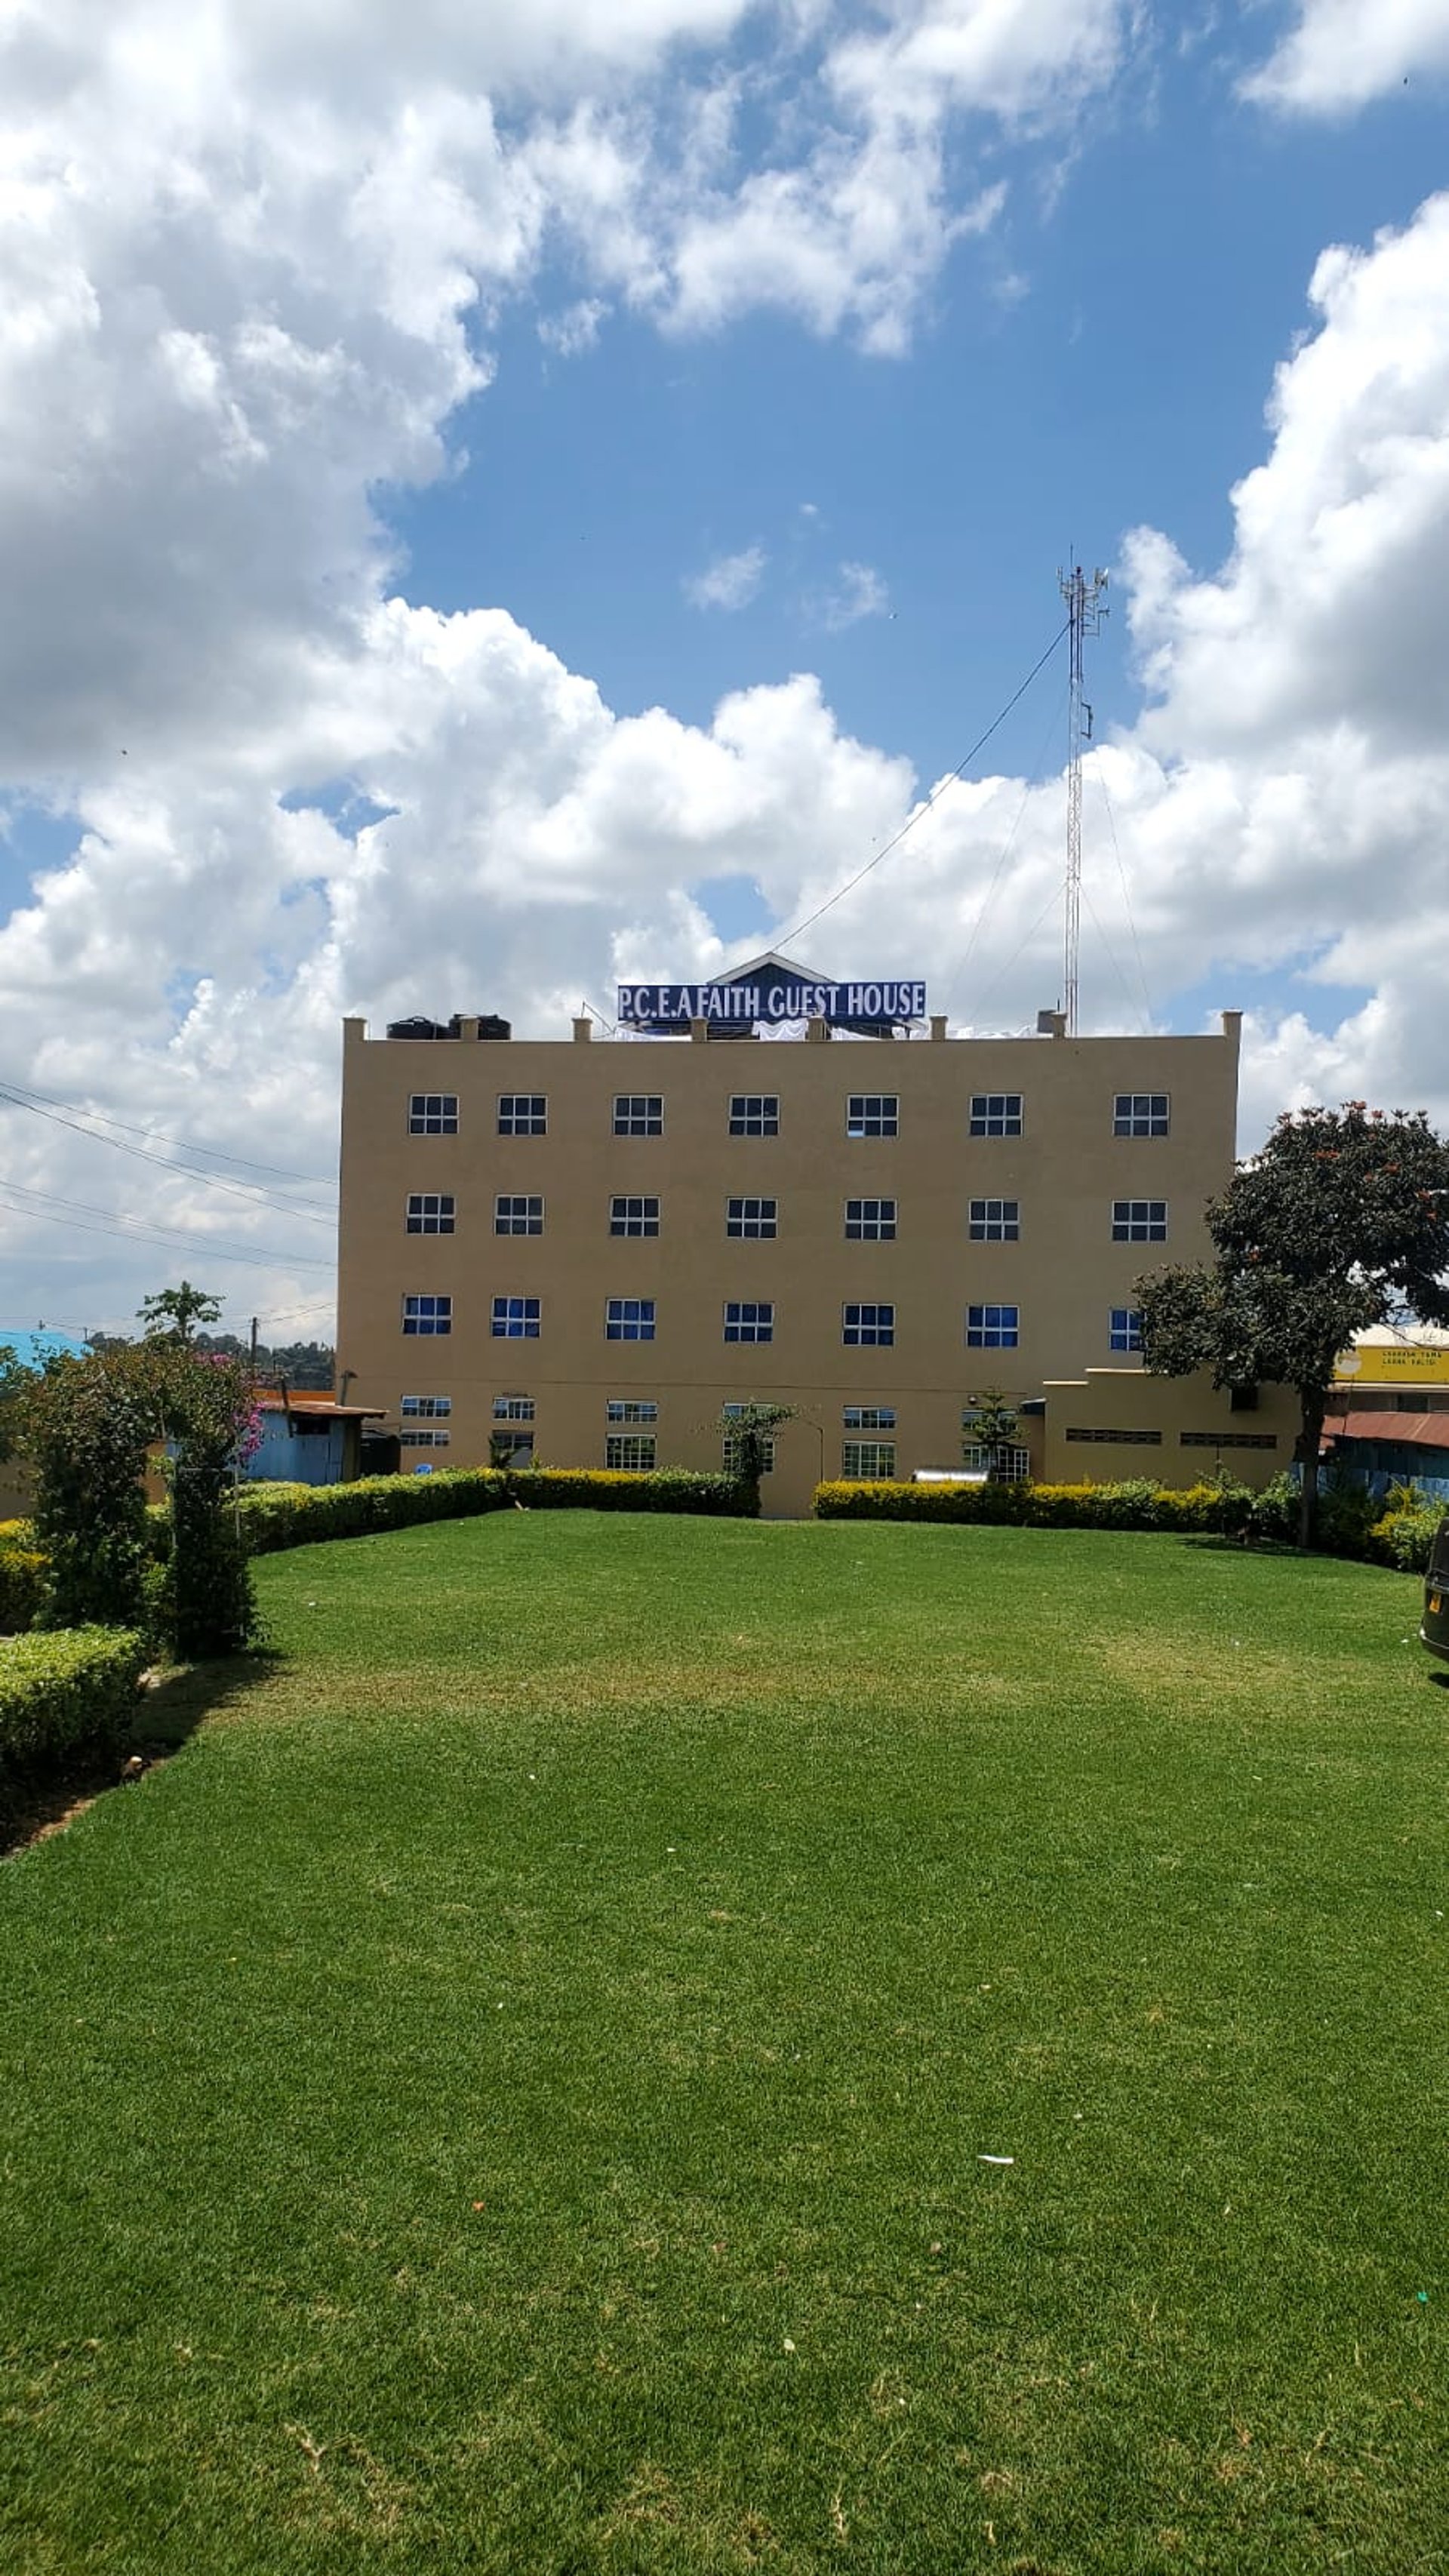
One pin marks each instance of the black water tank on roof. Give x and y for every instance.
(415, 1029)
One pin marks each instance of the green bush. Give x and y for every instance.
(22, 1588)
(607, 1489)
(66, 1690)
(277, 1516)
(1403, 1538)
(1137, 1503)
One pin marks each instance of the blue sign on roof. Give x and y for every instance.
(773, 994)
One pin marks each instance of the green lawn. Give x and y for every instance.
(517, 2091)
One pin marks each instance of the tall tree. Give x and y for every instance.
(1342, 1221)
(174, 1313)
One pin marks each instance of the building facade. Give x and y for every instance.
(586, 1251)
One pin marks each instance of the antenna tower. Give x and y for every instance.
(1083, 594)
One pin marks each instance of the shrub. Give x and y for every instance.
(273, 1516)
(605, 1489)
(63, 1692)
(22, 1588)
(1403, 1538)
(87, 1424)
(1136, 1503)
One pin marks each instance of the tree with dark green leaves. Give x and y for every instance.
(1341, 1222)
(994, 1429)
(173, 1313)
(15, 1381)
(748, 1431)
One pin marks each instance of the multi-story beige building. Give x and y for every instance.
(595, 1247)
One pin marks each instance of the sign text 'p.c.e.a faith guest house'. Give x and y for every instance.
(772, 993)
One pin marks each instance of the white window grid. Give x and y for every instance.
(1139, 1220)
(630, 1408)
(1125, 1330)
(513, 1408)
(629, 1319)
(995, 1113)
(630, 1453)
(1009, 1465)
(749, 1319)
(639, 1113)
(993, 1328)
(868, 1462)
(870, 1220)
(433, 1113)
(515, 1215)
(425, 1408)
(873, 1113)
(994, 1221)
(411, 1438)
(1141, 1113)
(425, 1315)
(866, 1327)
(516, 1319)
(634, 1216)
(754, 1113)
(522, 1113)
(752, 1220)
(430, 1212)
(869, 1417)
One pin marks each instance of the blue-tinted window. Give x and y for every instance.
(992, 1328)
(427, 1314)
(515, 1319)
(870, 1326)
(1126, 1332)
(629, 1319)
(747, 1320)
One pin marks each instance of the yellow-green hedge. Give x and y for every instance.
(69, 1689)
(1137, 1504)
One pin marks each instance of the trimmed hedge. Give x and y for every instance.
(1138, 1504)
(277, 1516)
(606, 1489)
(70, 1689)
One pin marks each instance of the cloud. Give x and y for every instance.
(731, 581)
(574, 330)
(1343, 53)
(859, 592)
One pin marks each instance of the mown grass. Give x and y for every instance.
(512, 2093)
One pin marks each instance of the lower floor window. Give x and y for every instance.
(1126, 1329)
(630, 1452)
(1117, 1439)
(868, 1461)
(1227, 1439)
(870, 1417)
(1009, 1465)
(426, 1408)
(992, 1328)
(513, 1408)
(410, 1438)
(631, 1408)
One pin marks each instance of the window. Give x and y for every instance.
(994, 1221)
(870, 1417)
(872, 1113)
(427, 1314)
(1126, 1332)
(754, 1113)
(433, 1113)
(513, 1408)
(425, 1408)
(1009, 1465)
(992, 1328)
(517, 1216)
(522, 1113)
(1228, 1439)
(870, 1220)
(633, 1216)
(629, 1319)
(412, 1439)
(867, 1461)
(515, 1319)
(996, 1113)
(751, 1220)
(867, 1325)
(731, 1459)
(630, 1453)
(1139, 1220)
(1140, 1113)
(1119, 1439)
(639, 1113)
(430, 1212)
(746, 1320)
(510, 1451)
(628, 1408)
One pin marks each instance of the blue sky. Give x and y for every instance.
(503, 501)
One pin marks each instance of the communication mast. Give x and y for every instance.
(1083, 594)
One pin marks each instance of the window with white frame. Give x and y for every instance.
(629, 1319)
(1125, 1333)
(411, 1438)
(731, 1456)
(994, 1221)
(430, 1212)
(872, 1113)
(513, 1215)
(630, 1453)
(748, 1319)
(870, 1220)
(639, 1113)
(433, 1113)
(868, 1327)
(1140, 1113)
(754, 1113)
(425, 1315)
(634, 1216)
(522, 1113)
(630, 1408)
(515, 1319)
(868, 1462)
(425, 1408)
(869, 1417)
(1007, 1463)
(752, 1220)
(993, 1328)
(995, 1113)
(1139, 1220)
(513, 1408)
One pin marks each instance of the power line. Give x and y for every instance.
(210, 1180)
(111, 1222)
(244, 1162)
(921, 810)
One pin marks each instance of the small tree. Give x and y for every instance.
(87, 1421)
(174, 1313)
(748, 1430)
(1341, 1222)
(205, 1408)
(995, 1426)
(16, 1382)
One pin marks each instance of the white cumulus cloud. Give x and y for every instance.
(1340, 54)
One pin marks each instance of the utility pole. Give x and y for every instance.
(1083, 594)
